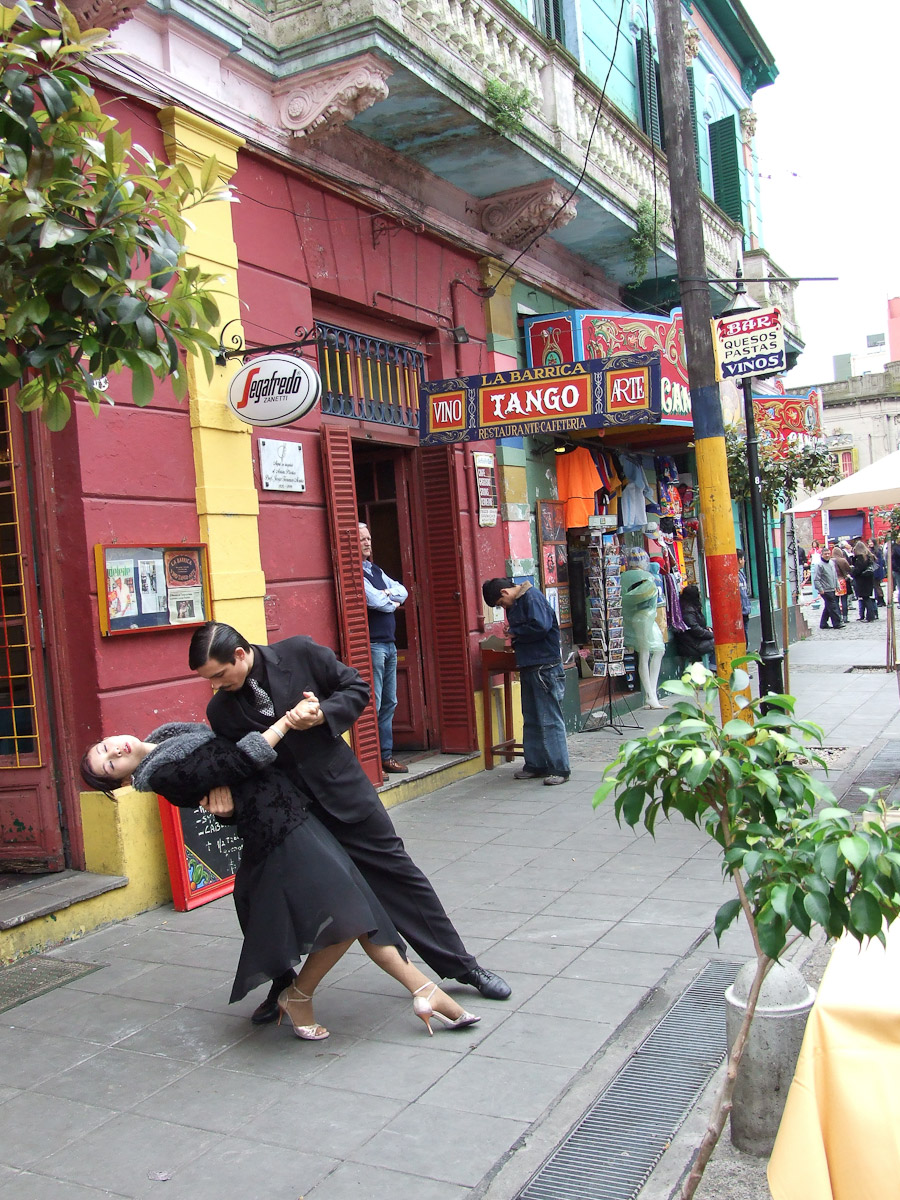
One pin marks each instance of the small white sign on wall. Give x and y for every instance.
(281, 466)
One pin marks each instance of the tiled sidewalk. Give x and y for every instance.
(142, 1070)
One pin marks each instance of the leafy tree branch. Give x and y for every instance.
(92, 233)
(783, 473)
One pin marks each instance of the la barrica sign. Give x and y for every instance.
(562, 398)
(274, 389)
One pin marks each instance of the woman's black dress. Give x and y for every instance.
(296, 889)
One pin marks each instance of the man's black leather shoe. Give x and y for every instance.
(268, 1010)
(491, 986)
(265, 1012)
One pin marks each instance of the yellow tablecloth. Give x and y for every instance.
(839, 1137)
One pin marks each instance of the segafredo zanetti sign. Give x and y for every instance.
(275, 389)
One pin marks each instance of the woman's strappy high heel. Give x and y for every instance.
(309, 1033)
(423, 1009)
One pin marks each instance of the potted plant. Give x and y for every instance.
(796, 859)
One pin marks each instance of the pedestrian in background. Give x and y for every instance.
(383, 597)
(535, 637)
(844, 572)
(864, 581)
(825, 582)
(697, 640)
(880, 572)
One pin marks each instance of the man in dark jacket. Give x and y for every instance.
(255, 683)
(825, 582)
(535, 637)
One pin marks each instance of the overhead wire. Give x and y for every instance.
(131, 69)
(587, 154)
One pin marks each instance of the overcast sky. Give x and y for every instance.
(830, 166)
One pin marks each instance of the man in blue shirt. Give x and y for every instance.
(535, 637)
(383, 597)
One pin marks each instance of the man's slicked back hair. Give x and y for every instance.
(215, 640)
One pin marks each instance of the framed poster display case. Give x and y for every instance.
(145, 588)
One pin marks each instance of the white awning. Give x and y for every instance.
(875, 486)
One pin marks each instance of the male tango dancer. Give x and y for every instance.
(254, 683)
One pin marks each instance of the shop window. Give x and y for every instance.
(369, 378)
(648, 91)
(726, 168)
(18, 722)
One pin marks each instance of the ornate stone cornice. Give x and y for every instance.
(748, 125)
(318, 101)
(516, 216)
(691, 42)
(102, 14)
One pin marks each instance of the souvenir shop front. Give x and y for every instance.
(624, 527)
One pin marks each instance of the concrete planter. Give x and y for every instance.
(771, 1053)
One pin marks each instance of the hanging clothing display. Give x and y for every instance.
(673, 605)
(611, 485)
(577, 482)
(636, 494)
(670, 505)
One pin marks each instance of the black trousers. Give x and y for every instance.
(410, 900)
(830, 611)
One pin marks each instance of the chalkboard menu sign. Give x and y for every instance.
(202, 854)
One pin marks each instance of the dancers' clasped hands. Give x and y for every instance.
(306, 713)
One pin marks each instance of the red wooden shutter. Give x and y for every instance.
(337, 453)
(456, 704)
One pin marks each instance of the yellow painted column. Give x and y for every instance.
(498, 312)
(227, 501)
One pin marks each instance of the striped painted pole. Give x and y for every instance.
(709, 428)
(718, 527)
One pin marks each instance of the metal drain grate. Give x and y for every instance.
(33, 976)
(611, 1152)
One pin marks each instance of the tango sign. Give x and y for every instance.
(274, 389)
(562, 398)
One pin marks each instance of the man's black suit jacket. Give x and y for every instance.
(317, 759)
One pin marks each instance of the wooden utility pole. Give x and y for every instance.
(709, 428)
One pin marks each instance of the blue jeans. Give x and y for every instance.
(543, 727)
(384, 682)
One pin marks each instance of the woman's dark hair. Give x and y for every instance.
(215, 640)
(96, 782)
(691, 593)
(491, 589)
